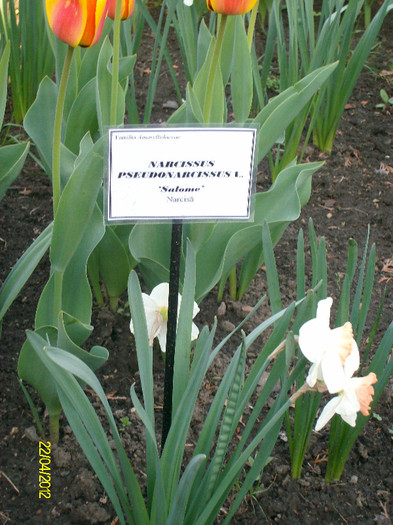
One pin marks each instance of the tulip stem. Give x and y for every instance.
(251, 25)
(213, 69)
(56, 184)
(115, 62)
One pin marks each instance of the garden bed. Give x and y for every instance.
(354, 189)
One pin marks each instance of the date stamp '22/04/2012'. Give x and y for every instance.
(44, 472)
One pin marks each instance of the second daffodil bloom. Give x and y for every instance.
(328, 349)
(77, 22)
(231, 7)
(355, 395)
(127, 7)
(156, 312)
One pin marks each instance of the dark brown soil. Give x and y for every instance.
(354, 189)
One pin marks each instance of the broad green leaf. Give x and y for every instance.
(12, 159)
(204, 41)
(4, 80)
(241, 73)
(72, 365)
(76, 205)
(39, 124)
(104, 90)
(214, 97)
(114, 264)
(180, 500)
(228, 50)
(82, 117)
(22, 270)
(283, 108)
(219, 248)
(76, 297)
(31, 369)
(39, 121)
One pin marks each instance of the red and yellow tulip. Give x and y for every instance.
(127, 7)
(77, 22)
(231, 7)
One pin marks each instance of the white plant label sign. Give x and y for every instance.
(158, 174)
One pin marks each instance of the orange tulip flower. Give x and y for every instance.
(77, 22)
(127, 7)
(231, 7)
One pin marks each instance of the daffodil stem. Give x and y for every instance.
(174, 278)
(56, 184)
(115, 62)
(212, 73)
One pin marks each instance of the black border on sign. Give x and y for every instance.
(186, 218)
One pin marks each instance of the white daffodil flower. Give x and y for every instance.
(188, 3)
(329, 350)
(356, 394)
(156, 312)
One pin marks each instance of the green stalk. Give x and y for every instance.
(212, 73)
(54, 427)
(115, 62)
(251, 25)
(58, 294)
(233, 284)
(57, 129)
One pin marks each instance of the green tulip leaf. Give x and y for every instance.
(241, 76)
(39, 124)
(82, 117)
(4, 80)
(12, 159)
(76, 294)
(23, 269)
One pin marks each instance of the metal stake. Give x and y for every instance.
(174, 277)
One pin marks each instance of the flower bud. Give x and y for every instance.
(77, 22)
(231, 7)
(127, 7)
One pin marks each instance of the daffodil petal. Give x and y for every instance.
(352, 362)
(333, 372)
(327, 413)
(161, 336)
(194, 332)
(160, 294)
(313, 374)
(312, 337)
(350, 418)
(323, 311)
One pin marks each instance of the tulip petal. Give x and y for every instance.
(96, 13)
(127, 7)
(231, 7)
(67, 19)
